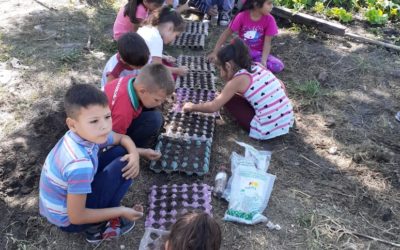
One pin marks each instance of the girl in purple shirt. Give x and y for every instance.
(256, 27)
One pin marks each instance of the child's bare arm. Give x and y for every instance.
(131, 170)
(79, 214)
(266, 50)
(230, 89)
(181, 70)
(221, 40)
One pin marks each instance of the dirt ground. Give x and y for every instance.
(338, 171)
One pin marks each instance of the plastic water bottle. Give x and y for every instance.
(220, 183)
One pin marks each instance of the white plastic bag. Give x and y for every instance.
(249, 189)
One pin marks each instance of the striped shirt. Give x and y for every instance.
(69, 169)
(273, 109)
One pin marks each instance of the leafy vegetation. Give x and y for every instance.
(376, 12)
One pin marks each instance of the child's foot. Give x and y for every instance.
(117, 227)
(95, 232)
(224, 18)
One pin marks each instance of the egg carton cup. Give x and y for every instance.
(153, 239)
(196, 63)
(181, 155)
(197, 28)
(192, 41)
(189, 125)
(197, 80)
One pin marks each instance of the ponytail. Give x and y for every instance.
(164, 15)
(237, 52)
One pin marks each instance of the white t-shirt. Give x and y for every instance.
(121, 70)
(153, 39)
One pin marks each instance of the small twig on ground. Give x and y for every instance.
(300, 192)
(46, 38)
(88, 44)
(382, 229)
(47, 7)
(346, 231)
(302, 156)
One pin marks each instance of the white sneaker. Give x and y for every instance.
(224, 18)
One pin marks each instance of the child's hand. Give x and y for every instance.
(182, 70)
(151, 154)
(213, 11)
(132, 214)
(169, 59)
(212, 57)
(131, 170)
(187, 107)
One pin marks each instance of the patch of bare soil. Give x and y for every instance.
(338, 172)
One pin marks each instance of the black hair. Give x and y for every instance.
(236, 51)
(252, 4)
(82, 96)
(156, 76)
(133, 49)
(195, 231)
(132, 5)
(164, 15)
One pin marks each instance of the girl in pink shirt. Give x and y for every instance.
(256, 27)
(130, 15)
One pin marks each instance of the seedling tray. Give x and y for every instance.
(180, 155)
(153, 239)
(196, 80)
(189, 126)
(167, 202)
(195, 63)
(193, 41)
(191, 95)
(197, 28)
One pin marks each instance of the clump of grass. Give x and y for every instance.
(310, 89)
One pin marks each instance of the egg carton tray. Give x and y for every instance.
(197, 28)
(182, 155)
(192, 41)
(167, 203)
(189, 126)
(195, 63)
(196, 80)
(153, 239)
(196, 96)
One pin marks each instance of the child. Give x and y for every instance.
(194, 231)
(252, 94)
(127, 96)
(79, 189)
(256, 27)
(132, 55)
(132, 14)
(162, 27)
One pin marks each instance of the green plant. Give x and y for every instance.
(310, 89)
(319, 7)
(341, 14)
(376, 16)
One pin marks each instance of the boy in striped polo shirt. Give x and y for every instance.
(80, 186)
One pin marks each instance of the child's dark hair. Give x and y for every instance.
(252, 4)
(156, 76)
(132, 5)
(133, 49)
(195, 231)
(236, 51)
(82, 96)
(164, 15)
